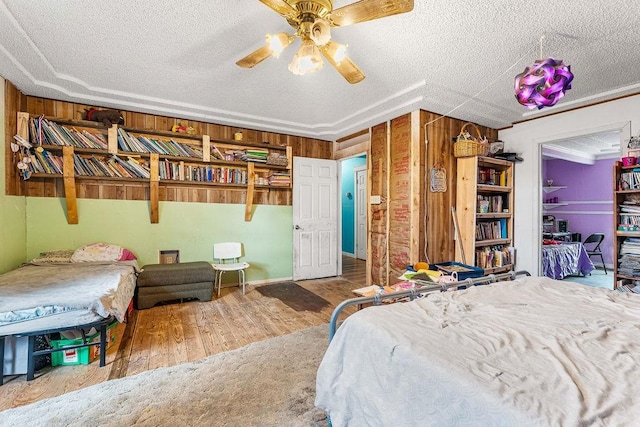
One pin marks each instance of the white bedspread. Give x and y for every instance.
(535, 351)
(36, 297)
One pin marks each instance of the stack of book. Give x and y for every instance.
(258, 155)
(629, 262)
(629, 217)
(280, 179)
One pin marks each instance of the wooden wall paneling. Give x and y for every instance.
(416, 194)
(34, 187)
(439, 228)
(198, 195)
(14, 102)
(161, 122)
(65, 109)
(400, 198)
(136, 191)
(90, 188)
(378, 220)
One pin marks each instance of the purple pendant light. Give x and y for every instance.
(544, 83)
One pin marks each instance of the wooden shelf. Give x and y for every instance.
(154, 160)
(495, 270)
(488, 188)
(493, 215)
(492, 242)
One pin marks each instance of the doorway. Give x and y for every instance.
(360, 228)
(576, 197)
(353, 179)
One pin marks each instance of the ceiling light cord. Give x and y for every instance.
(482, 90)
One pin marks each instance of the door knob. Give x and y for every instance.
(297, 227)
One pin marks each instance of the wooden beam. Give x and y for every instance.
(112, 139)
(251, 177)
(69, 185)
(206, 148)
(154, 188)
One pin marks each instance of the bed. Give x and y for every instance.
(91, 289)
(532, 351)
(565, 259)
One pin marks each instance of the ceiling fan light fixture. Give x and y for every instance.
(320, 32)
(307, 59)
(337, 51)
(278, 42)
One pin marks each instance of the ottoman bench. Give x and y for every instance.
(166, 282)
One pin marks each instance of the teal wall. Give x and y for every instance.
(348, 204)
(12, 213)
(192, 228)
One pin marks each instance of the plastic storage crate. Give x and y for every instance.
(82, 355)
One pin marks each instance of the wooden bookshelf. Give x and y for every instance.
(179, 152)
(487, 229)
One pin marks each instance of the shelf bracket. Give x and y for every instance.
(69, 185)
(251, 178)
(154, 181)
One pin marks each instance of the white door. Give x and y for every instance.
(361, 212)
(315, 218)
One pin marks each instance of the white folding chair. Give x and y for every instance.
(226, 257)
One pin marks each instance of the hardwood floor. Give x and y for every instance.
(170, 334)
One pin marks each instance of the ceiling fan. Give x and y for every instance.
(312, 21)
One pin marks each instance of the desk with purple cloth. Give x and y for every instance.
(559, 261)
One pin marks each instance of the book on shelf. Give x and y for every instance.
(217, 153)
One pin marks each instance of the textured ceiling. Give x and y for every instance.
(178, 59)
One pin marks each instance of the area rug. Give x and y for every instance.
(294, 296)
(266, 383)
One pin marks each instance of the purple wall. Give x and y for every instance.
(584, 183)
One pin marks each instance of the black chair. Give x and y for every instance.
(593, 249)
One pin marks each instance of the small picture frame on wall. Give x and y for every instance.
(171, 256)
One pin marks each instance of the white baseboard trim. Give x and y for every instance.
(349, 254)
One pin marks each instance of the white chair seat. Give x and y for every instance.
(231, 267)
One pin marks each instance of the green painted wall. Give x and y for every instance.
(12, 213)
(192, 228)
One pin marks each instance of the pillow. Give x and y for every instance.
(101, 252)
(61, 256)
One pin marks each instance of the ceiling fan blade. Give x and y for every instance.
(255, 57)
(282, 7)
(367, 10)
(345, 67)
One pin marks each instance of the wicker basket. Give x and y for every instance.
(468, 146)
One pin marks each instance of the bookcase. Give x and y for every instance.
(626, 245)
(83, 150)
(484, 213)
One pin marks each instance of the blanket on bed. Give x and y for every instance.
(100, 289)
(535, 351)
